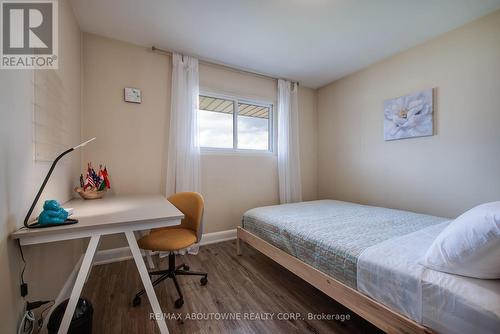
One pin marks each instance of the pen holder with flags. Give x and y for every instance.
(95, 184)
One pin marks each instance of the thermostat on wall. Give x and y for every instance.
(132, 95)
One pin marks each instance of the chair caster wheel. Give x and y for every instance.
(136, 301)
(204, 280)
(186, 268)
(179, 302)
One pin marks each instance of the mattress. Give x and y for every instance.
(390, 273)
(377, 251)
(330, 235)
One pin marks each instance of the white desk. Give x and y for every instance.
(110, 215)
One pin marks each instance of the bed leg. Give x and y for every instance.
(238, 241)
(238, 246)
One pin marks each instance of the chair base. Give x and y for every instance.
(172, 272)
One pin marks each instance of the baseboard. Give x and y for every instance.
(123, 253)
(214, 237)
(112, 255)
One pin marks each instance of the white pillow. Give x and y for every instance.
(469, 245)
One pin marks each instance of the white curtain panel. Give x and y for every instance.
(183, 164)
(290, 185)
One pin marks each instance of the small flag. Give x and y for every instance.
(94, 176)
(101, 185)
(106, 177)
(89, 182)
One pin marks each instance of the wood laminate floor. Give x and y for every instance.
(244, 286)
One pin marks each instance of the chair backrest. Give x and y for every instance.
(191, 204)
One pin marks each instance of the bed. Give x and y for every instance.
(367, 258)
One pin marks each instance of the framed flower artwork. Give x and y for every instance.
(409, 116)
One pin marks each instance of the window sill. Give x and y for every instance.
(237, 152)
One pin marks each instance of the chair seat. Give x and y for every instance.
(171, 239)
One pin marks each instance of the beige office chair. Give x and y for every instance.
(174, 238)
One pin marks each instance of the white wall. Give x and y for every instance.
(444, 174)
(20, 177)
(15, 118)
(308, 141)
(132, 139)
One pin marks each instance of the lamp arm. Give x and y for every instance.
(37, 197)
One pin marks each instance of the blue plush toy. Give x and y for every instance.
(52, 213)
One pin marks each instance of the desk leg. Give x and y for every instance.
(147, 253)
(143, 272)
(80, 281)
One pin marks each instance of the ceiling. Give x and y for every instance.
(312, 41)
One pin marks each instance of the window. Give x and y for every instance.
(233, 123)
(215, 122)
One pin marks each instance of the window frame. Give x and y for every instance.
(236, 100)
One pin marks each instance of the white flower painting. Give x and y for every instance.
(408, 116)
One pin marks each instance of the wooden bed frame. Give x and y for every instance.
(371, 310)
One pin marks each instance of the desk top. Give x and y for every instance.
(110, 213)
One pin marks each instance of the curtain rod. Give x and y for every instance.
(234, 69)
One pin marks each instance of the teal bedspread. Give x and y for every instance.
(330, 235)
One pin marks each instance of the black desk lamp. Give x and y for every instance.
(68, 221)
